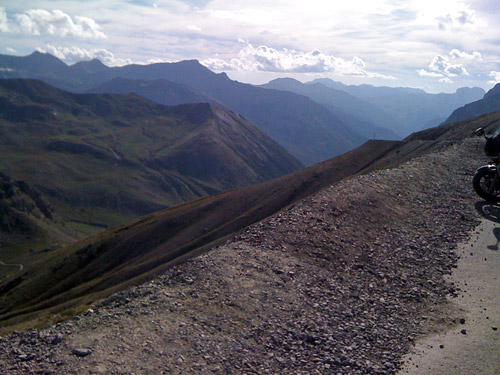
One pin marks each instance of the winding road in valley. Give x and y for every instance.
(20, 266)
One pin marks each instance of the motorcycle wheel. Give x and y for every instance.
(482, 181)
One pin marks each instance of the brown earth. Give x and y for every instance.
(341, 282)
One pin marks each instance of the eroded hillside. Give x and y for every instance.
(340, 282)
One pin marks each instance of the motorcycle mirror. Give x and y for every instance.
(479, 132)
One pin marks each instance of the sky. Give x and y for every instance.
(435, 45)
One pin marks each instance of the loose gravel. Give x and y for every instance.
(340, 283)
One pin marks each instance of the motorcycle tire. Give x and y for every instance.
(481, 181)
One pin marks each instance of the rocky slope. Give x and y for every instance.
(339, 283)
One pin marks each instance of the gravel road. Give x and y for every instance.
(472, 346)
(343, 282)
(20, 266)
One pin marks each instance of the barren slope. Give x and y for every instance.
(132, 253)
(340, 282)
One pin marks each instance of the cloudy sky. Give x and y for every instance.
(437, 45)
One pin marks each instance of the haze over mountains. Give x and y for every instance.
(488, 104)
(360, 115)
(303, 127)
(413, 109)
(102, 158)
(312, 123)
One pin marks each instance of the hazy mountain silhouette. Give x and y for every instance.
(362, 116)
(412, 108)
(303, 127)
(488, 104)
(160, 91)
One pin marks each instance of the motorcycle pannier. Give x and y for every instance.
(492, 146)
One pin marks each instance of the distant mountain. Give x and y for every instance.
(366, 91)
(488, 104)
(362, 116)
(103, 158)
(412, 108)
(160, 91)
(303, 127)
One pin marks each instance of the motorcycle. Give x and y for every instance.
(486, 180)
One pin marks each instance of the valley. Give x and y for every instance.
(166, 217)
(343, 280)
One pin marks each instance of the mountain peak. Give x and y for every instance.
(43, 57)
(495, 91)
(90, 66)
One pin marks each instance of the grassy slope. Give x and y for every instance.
(105, 159)
(135, 252)
(74, 276)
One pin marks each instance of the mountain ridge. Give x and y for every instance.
(489, 103)
(412, 108)
(145, 155)
(304, 128)
(358, 114)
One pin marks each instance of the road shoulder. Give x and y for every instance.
(471, 346)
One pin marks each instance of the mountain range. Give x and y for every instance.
(488, 104)
(360, 115)
(312, 121)
(413, 109)
(303, 127)
(104, 158)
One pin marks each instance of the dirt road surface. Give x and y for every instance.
(472, 346)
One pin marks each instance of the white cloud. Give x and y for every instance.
(269, 59)
(455, 53)
(425, 73)
(495, 76)
(58, 23)
(441, 66)
(445, 80)
(71, 55)
(462, 16)
(155, 60)
(193, 28)
(4, 27)
(10, 50)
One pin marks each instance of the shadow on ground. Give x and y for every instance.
(490, 211)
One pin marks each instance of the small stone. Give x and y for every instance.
(463, 331)
(462, 321)
(494, 328)
(81, 352)
(56, 340)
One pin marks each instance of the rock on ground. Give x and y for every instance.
(340, 283)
